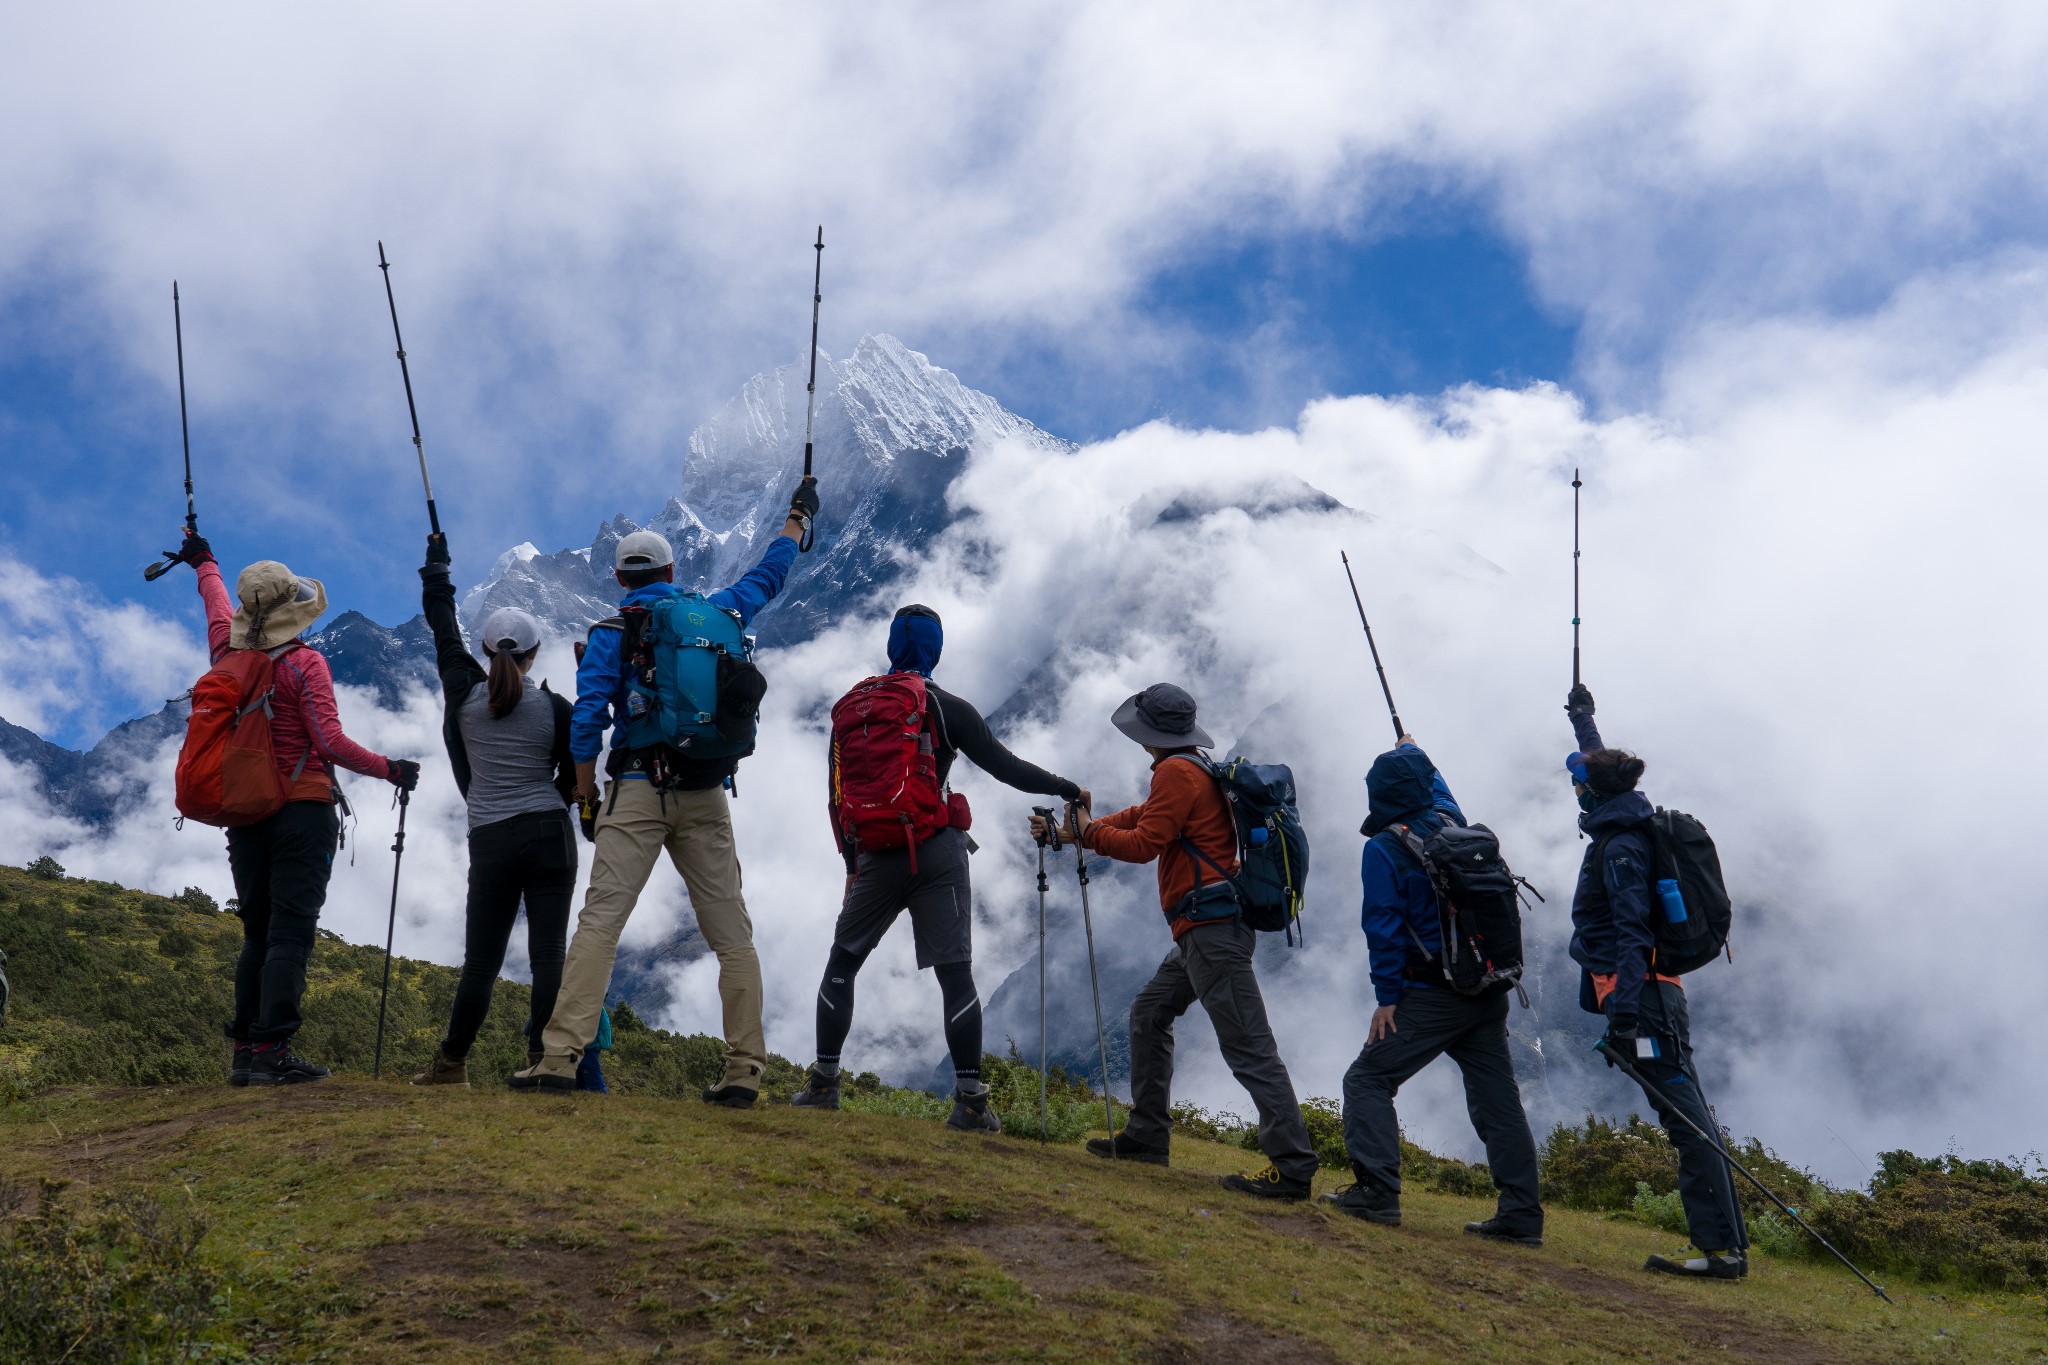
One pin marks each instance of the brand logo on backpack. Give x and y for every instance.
(1479, 909)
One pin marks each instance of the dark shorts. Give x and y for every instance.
(937, 896)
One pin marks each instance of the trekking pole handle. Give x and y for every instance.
(1051, 837)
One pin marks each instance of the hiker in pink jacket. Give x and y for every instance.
(281, 865)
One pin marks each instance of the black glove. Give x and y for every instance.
(195, 551)
(405, 774)
(803, 503)
(1579, 701)
(437, 548)
(1620, 1040)
(586, 816)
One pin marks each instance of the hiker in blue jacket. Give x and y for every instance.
(1417, 1019)
(1614, 940)
(660, 800)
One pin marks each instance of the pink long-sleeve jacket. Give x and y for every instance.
(303, 716)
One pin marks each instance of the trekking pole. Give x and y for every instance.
(1094, 984)
(1575, 578)
(811, 388)
(1644, 1081)
(170, 559)
(390, 929)
(1051, 836)
(1400, 732)
(433, 517)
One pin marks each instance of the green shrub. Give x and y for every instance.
(46, 869)
(197, 901)
(1778, 1235)
(1970, 1222)
(1600, 1165)
(1324, 1119)
(116, 1281)
(1445, 1175)
(1664, 1211)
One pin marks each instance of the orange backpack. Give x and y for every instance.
(227, 769)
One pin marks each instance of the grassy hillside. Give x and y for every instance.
(361, 1220)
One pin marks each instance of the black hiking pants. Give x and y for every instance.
(1430, 1023)
(1706, 1185)
(528, 857)
(281, 866)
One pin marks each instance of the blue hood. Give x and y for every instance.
(1400, 788)
(914, 644)
(1617, 812)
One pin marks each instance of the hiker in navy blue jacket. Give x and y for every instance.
(1416, 1019)
(660, 800)
(1614, 940)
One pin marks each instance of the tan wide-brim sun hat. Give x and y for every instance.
(276, 604)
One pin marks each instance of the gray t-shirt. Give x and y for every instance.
(511, 761)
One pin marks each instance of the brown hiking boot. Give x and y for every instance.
(443, 1071)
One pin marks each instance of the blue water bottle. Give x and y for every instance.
(1674, 900)
(1258, 836)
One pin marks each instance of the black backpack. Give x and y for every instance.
(1684, 853)
(1479, 908)
(1269, 888)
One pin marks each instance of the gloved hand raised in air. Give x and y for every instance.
(194, 551)
(1579, 701)
(405, 774)
(437, 548)
(803, 504)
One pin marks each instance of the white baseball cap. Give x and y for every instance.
(510, 630)
(644, 550)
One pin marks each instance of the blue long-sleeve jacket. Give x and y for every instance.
(1612, 929)
(601, 680)
(1399, 904)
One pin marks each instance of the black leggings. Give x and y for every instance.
(956, 982)
(531, 857)
(281, 866)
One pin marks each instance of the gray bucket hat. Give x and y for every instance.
(1162, 717)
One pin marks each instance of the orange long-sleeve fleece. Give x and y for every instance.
(1184, 802)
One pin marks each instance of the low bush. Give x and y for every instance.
(1601, 1164)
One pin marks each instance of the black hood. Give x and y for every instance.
(1617, 812)
(1399, 788)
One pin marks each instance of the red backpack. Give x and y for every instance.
(227, 769)
(885, 776)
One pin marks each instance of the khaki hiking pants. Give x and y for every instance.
(634, 825)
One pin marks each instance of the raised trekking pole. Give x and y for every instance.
(164, 565)
(1094, 984)
(1644, 1081)
(405, 373)
(811, 388)
(1400, 732)
(390, 929)
(1052, 837)
(1575, 578)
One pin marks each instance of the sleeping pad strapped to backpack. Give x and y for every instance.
(691, 682)
(1270, 885)
(1479, 908)
(886, 792)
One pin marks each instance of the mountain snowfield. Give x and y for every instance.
(1070, 576)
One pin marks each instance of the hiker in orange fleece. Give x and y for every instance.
(1211, 960)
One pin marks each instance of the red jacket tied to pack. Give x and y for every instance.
(885, 779)
(227, 771)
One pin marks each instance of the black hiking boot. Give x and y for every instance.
(1121, 1148)
(279, 1065)
(1367, 1199)
(1500, 1230)
(238, 1070)
(819, 1092)
(731, 1096)
(973, 1113)
(1268, 1184)
(1708, 1265)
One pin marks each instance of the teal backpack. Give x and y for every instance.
(691, 682)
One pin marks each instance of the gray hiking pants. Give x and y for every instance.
(1429, 1023)
(1213, 964)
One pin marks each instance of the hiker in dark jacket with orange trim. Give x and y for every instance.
(508, 743)
(929, 879)
(1183, 815)
(1614, 940)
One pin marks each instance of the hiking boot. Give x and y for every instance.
(1373, 1202)
(819, 1092)
(1499, 1230)
(1709, 1265)
(279, 1065)
(444, 1071)
(973, 1113)
(535, 1078)
(731, 1096)
(238, 1070)
(1121, 1148)
(1268, 1184)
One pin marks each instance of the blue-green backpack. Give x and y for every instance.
(690, 677)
